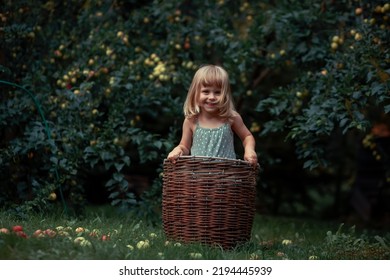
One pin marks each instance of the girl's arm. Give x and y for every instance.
(248, 141)
(185, 144)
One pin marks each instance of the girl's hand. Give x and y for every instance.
(251, 157)
(175, 154)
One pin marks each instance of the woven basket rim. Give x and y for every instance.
(207, 158)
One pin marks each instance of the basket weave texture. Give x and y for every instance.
(209, 200)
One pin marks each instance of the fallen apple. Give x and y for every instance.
(17, 228)
(21, 234)
(4, 230)
(38, 233)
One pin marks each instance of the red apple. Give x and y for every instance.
(21, 234)
(17, 228)
(38, 233)
(49, 232)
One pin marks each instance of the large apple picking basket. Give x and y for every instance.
(209, 200)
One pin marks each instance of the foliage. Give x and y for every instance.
(342, 76)
(111, 77)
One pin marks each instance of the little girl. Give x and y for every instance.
(210, 119)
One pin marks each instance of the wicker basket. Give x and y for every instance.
(209, 200)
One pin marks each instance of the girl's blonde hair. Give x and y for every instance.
(209, 75)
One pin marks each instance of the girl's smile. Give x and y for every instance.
(209, 98)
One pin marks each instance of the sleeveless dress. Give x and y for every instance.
(213, 142)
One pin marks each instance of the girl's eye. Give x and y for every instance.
(207, 91)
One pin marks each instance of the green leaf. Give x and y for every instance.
(113, 195)
(111, 182)
(158, 144)
(118, 166)
(118, 177)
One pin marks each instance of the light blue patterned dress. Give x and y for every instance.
(213, 142)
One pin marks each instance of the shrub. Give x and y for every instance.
(110, 78)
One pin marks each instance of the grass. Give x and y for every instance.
(104, 234)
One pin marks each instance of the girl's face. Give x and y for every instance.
(209, 98)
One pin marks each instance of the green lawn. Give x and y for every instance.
(106, 234)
